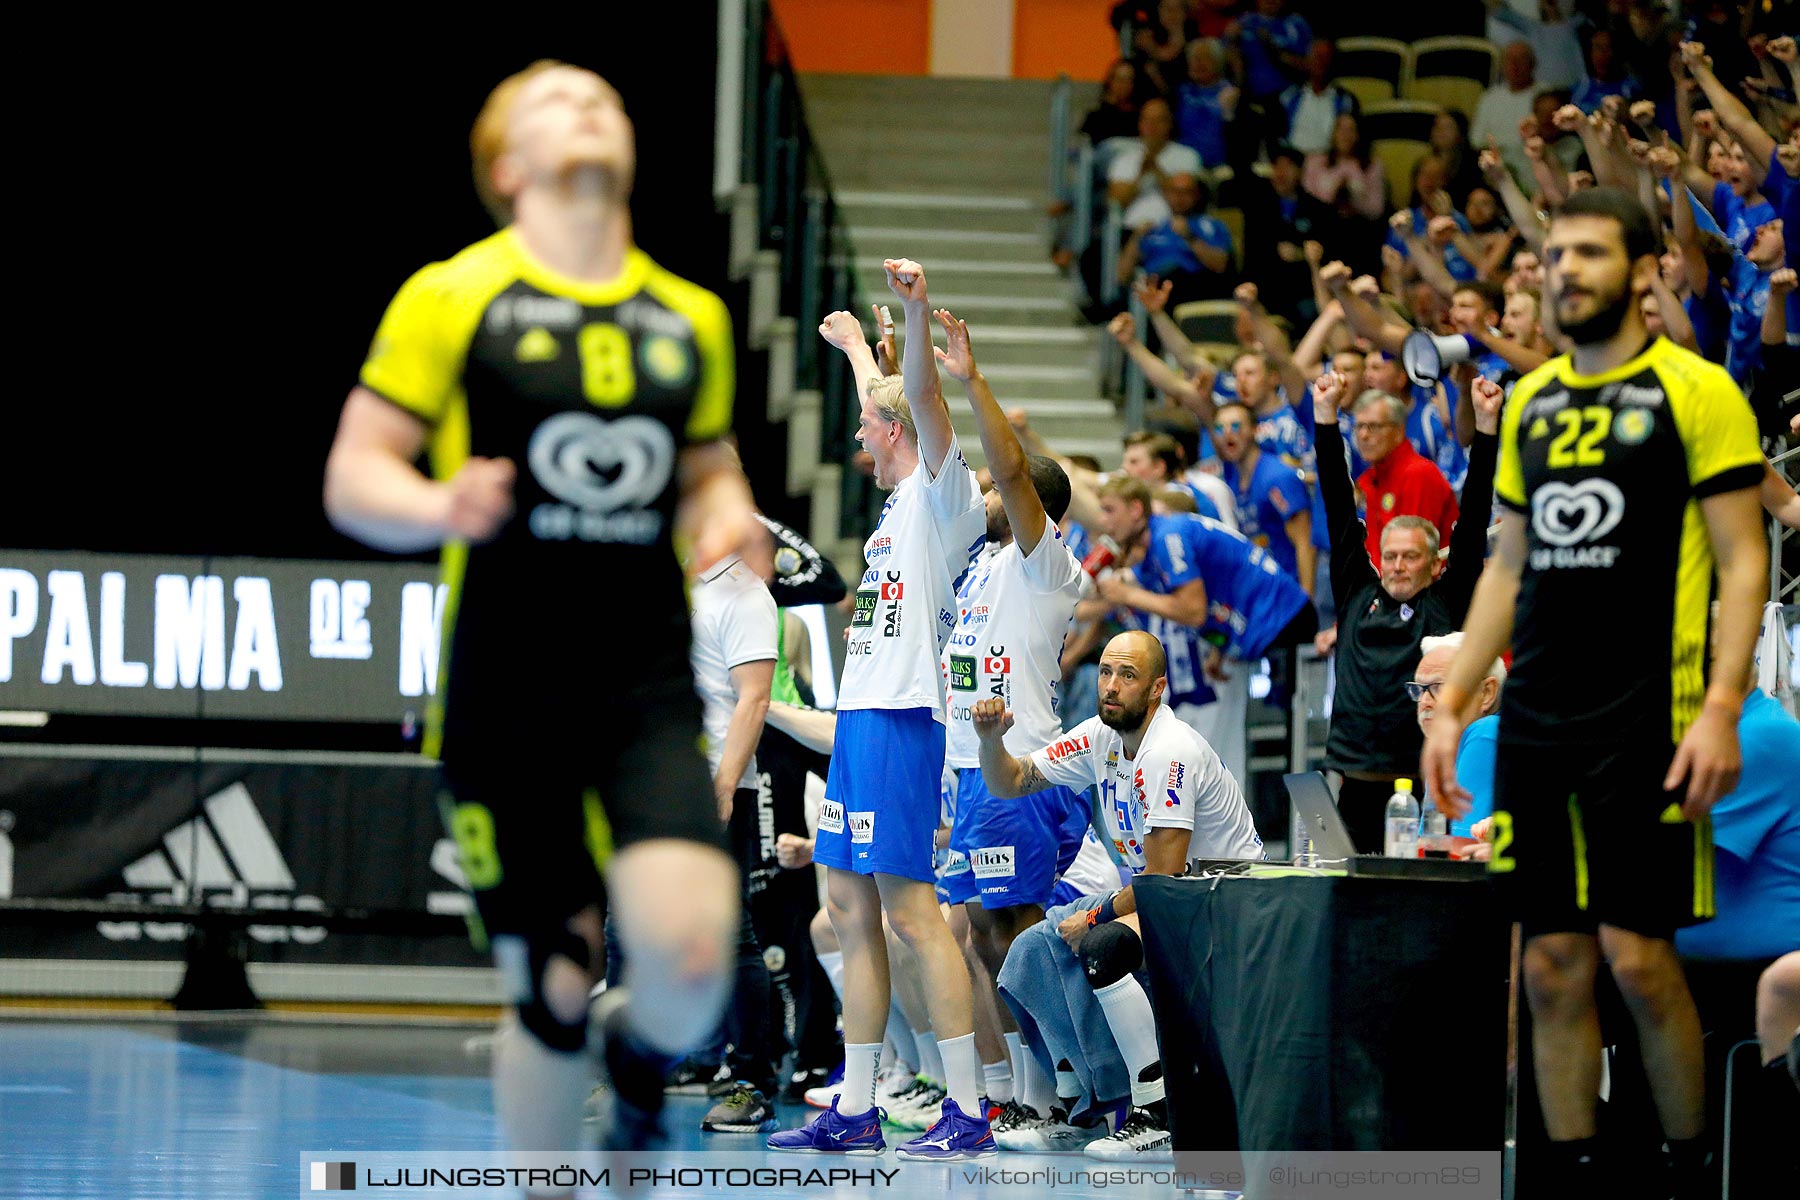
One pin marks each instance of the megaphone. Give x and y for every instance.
(1425, 355)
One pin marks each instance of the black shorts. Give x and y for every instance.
(537, 822)
(1586, 835)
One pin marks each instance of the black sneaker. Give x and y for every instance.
(633, 1077)
(693, 1076)
(744, 1110)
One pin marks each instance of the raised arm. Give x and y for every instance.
(374, 494)
(1320, 337)
(1350, 566)
(1005, 776)
(844, 331)
(918, 367)
(1005, 456)
(1758, 145)
(1774, 322)
(1518, 207)
(1124, 331)
(1425, 253)
(1468, 539)
(1153, 294)
(1674, 315)
(1365, 319)
(1274, 342)
(1687, 237)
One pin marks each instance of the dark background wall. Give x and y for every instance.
(211, 221)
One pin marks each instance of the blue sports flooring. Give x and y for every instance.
(198, 1109)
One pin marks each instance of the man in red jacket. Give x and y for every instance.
(1400, 481)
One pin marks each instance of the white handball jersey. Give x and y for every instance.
(1176, 782)
(906, 603)
(1012, 614)
(735, 622)
(1093, 870)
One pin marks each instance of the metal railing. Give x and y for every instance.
(798, 219)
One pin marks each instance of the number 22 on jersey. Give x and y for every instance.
(1583, 429)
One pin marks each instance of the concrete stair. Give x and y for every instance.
(952, 172)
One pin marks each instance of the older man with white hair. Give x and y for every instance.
(1475, 753)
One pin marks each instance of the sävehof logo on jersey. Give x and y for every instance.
(990, 861)
(538, 345)
(1633, 425)
(1565, 516)
(606, 473)
(666, 360)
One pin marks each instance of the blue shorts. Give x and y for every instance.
(1015, 849)
(881, 794)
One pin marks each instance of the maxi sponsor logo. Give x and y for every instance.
(1066, 747)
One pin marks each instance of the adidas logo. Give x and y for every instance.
(226, 851)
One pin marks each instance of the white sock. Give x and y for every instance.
(1068, 1084)
(1040, 1093)
(834, 971)
(962, 1073)
(858, 1094)
(1015, 1056)
(1133, 1025)
(997, 1079)
(931, 1063)
(538, 1092)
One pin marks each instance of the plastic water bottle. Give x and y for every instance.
(1436, 825)
(1402, 840)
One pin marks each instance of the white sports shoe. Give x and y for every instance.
(1143, 1138)
(1047, 1134)
(920, 1108)
(892, 1083)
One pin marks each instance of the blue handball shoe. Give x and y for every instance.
(833, 1133)
(956, 1136)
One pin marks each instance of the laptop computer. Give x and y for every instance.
(1316, 816)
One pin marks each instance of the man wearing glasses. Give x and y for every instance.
(1475, 753)
(1400, 481)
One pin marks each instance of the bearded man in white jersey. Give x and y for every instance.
(880, 812)
(1164, 797)
(1013, 611)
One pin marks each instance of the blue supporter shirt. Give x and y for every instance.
(1475, 771)
(1267, 498)
(1747, 296)
(1426, 431)
(1162, 251)
(1248, 598)
(1200, 120)
(1460, 268)
(1756, 836)
(1590, 91)
(1710, 316)
(1263, 77)
(1745, 218)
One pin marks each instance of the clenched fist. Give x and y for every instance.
(480, 499)
(1334, 275)
(1568, 118)
(1488, 397)
(906, 278)
(990, 718)
(841, 329)
(1123, 329)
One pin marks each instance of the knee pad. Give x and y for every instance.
(1109, 953)
(523, 962)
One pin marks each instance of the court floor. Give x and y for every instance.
(179, 1109)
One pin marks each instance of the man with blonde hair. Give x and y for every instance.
(881, 808)
(575, 398)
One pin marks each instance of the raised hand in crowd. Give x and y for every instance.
(1328, 395)
(1693, 55)
(1123, 328)
(1153, 293)
(958, 362)
(1441, 231)
(906, 279)
(1643, 114)
(1782, 50)
(842, 330)
(887, 350)
(1489, 397)
(1569, 119)
(1706, 124)
(1335, 275)
(1315, 253)
(1788, 155)
(1245, 294)
(1781, 283)
(1664, 161)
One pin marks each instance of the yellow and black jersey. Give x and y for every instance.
(1610, 639)
(592, 390)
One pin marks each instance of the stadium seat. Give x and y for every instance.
(1407, 120)
(1451, 71)
(1208, 321)
(1232, 219)
(1371, 68)
(1398, 156)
